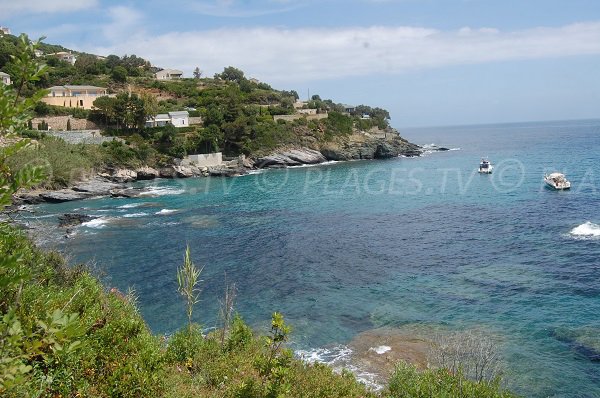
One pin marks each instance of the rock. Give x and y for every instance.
(305, 156)
(385, 151)
(147, 173)
(185, 171)
(130, 192)
(225, 172)
(73, 219)
(96, 186)
(248, 163)
(293, 157)
(120, 175)
(28, 198)
(63, 195)
(167, 172)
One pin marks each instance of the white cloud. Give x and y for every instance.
(243, 9)
(286, 55)
(125, 23)
(12, 7)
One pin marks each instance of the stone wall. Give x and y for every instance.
(195, 120)
(83, 137)
(204, 160)
(289, 118)
(60, 123)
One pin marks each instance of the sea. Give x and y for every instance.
(347, 247)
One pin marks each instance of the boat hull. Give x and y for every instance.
(558, 187)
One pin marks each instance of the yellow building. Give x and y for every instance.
(75, 96)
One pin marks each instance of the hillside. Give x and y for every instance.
(234, 115)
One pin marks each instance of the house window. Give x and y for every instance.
(81, 102)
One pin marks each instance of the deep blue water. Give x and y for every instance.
(347, 247)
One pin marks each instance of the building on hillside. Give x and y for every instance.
(349, 108)
(4, 30)
(75, 96)
(65, 56)
(177, 119)
(300, 104)
(307, 111)
(168, 74)
(5, 78)
(38, 53)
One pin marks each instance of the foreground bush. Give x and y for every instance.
(408, 382)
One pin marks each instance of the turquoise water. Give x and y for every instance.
(347, 247)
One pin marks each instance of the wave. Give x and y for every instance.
(586, 230)
(134, 215)
(433, 148)
(382, 349)
(96, 223)
(161, 191)
(166, 211)
(130, 205)
(339, 358)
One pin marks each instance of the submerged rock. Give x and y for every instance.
(73, 219)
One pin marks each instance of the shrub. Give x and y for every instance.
(408, 382)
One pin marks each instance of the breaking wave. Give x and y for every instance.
(586, 230)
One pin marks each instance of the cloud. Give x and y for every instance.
(13, 7)
(244, 9)
(125, 22)
(296, 55)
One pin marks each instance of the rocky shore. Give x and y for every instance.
(112, 182)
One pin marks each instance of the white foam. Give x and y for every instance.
(161, 191)
(165, 211)
(382, 349)
(130, 205)
(96, 223)
(135, 215)
(339, 358)
(586, 230)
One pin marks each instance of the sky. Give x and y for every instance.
(429, 62)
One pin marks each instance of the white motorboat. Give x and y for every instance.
(557, 181)
(485, 167)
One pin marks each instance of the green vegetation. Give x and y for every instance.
(408, 382)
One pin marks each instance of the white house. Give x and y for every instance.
(168, 74)
(5, 78)
(65, 56)
(4, 30)
(177, 119)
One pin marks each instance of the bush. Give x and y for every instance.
(408, 382)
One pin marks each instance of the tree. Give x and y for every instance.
(119, 74)
(197, 73)
(232, 74)
(105, 106)
(150, 104)
(129, 111)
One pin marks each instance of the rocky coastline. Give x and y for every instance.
(114, 182)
